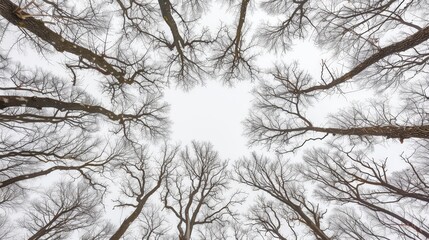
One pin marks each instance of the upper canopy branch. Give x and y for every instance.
(39, 103)
(408, 43)
(9, 11)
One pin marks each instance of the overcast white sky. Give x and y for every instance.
(211, 113)
(215, 112)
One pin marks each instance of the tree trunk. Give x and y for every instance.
(386, 131)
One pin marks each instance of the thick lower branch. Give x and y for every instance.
(403, 220)
(385, 131)
(239, 32)
(408, 43)
(39, 103)
(37, 174)
(9, 11)
(133, 216)
(165, 6)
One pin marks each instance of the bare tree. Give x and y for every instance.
(67, 35)
(11, 195)
(47, 124)
(102, 230)
(351, 224)
(281, 181)
(6, 229)
(279, 117)
(37, 158)
(362, 28)
(228, 229)
(141, 182)
(368, 59)
(182, 47)
(233, 55)
(188, 64)
(269, 218)
(397, 201)
(100, 81)
(153, 224)
(40, 97)
(214, 231)
(63, 208)
(295, 21)
(196, 191)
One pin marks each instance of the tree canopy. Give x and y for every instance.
(84, 126)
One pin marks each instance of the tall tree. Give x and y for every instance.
(82, 81)
(281, 181)
(63, 209)
(142, 182)
(396, 201)
(233, 55)
(196, 192)
(369, 60)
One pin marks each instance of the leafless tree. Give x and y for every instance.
(181, 46)
(295, 20)
(76, 31)
(141, 182)
(397, 202)
(97, 98)
(369, 59)
(214, 231)
(362, 27)
(196, 192)
(28, 158)
(100, 231)
(153, 224)
(281, 181)
(351, 224)
(228, 229)
(233, 51)
(6, 229)
(11, 195)
(270, 219)
(62, 209)
(41, 155)
(47, 123)
(40, 97)
(280, 118)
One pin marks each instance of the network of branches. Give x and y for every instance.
(84, 126)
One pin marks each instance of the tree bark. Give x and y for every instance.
(39, 103)
(408, 43)
(133, 216)
(9, 11)
(400, 132)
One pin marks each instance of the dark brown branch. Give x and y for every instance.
(9, 11)
(165, 6)
(408, 43)
(276, 179)
(400, 132)
(29, 176)
(39, 103)
(138, 209)
(239, 32)
(143, 195)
